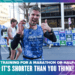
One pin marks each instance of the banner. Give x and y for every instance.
(62, 36)
(68, 37)
(37, 1)
(73, 36)
(56, 32)
(56, 44)
(73, 43)
(69, 43)
(5, 34)
(69, 21)
(68, 32)
(63, 43)
(45, 67)
(2, 40)
(73, 31)
(57, 36)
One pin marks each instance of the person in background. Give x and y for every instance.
(11, 34)
(70, 28)
(7, 38)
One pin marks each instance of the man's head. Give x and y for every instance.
(34, 15)
(13, 22)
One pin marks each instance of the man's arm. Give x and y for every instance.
(51, 36)
(7, 40)
(18, 36)
(9, 33)
(48, 32)
(15, 41)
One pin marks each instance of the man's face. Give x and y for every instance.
(34, 17)
(14, 23)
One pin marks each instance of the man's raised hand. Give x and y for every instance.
(45, 26)
(20, 27)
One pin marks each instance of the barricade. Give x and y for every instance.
(64, 38)
(3, 42)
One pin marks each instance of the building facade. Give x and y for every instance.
(58, 15)
(3, 13)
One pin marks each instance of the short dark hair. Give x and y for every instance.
(35, 8)
(13, 20)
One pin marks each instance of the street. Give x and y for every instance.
(54, 53)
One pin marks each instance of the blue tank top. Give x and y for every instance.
(33, 42)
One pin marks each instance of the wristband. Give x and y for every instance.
(51, 31)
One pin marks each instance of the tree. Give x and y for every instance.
(26, 7)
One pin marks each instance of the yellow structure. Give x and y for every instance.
(3, 13)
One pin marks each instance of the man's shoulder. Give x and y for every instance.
(9, 28)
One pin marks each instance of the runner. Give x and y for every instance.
(11, 34)
(32, 41)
